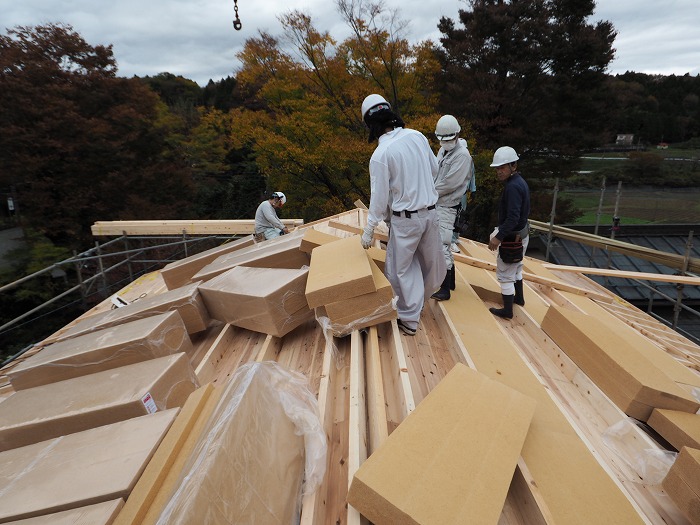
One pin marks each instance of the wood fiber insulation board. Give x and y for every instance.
(338, 271)
(359, 312)
(156, 484)
(121, 345)
(58, 409)
(572, 484)
(97, 514)
(485, 285)
(682, 483)
(630, 380)
(185, 300)
(267, 300)
(179, 273)
(101, 464)
(681, 429)
(314, 238)
(434, 467)
(280, 252)
(664, 361)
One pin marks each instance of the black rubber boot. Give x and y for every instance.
(451, 274)
(519, 296)
(443, 294)
(507, 311)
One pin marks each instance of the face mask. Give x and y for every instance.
(448, 145)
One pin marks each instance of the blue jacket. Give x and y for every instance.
(514, 207)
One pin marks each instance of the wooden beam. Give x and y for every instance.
(357, 438)
(376, 403)
(681, 279)
(313, 506)
(557, 285)
(177, 227)
(353, 229)
(671, 260)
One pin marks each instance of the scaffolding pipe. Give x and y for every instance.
(551, 219)
(679, 287)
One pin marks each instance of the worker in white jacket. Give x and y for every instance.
(401, 172)
(451, 182)
(267, 224)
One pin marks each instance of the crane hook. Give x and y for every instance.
(237, 25)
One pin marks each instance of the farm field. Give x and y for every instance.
(639, 205)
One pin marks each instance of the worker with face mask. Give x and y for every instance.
(511, 237)
(401, 172)
(455, 170)
(267, 224)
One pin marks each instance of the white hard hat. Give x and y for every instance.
(504, 155)
(447, 128)
(280, 196)
(372, 101)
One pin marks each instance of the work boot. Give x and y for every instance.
(443, 294)
(519, 296)
(507, 311)
(451, 273)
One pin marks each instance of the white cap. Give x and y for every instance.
(279, 195)
(504, 155)
(371, 101)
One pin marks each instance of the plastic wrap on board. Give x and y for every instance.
(113, 347)
(263, 439)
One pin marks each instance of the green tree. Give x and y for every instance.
(528, 74)
(79, 143)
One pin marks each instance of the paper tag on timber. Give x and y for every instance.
(149, 403)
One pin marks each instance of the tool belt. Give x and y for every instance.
(259, 237)
(511, 251)
(408, 214)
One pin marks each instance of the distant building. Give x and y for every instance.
(662, 145)
(624, 140)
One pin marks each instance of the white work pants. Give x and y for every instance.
(508, 273)
(414, 265)
(447, 225)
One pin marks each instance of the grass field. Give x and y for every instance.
(640, 205)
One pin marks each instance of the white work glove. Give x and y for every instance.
(367, 237)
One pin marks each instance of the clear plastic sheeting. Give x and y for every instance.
(650, 464)
(381, 314)
(264, 447)
(121, 345)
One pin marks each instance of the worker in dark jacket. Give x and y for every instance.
(511, 236)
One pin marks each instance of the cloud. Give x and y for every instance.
(196, 39)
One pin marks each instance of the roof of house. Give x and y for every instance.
(584, 457)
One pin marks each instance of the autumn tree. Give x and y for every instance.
(78, 143)
(301, 117)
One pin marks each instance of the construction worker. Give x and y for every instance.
(267, 224)
(511, 237)
(451, 182)
(401, 172)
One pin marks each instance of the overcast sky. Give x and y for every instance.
(195, 38)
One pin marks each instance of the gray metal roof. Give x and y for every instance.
(572, 253)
